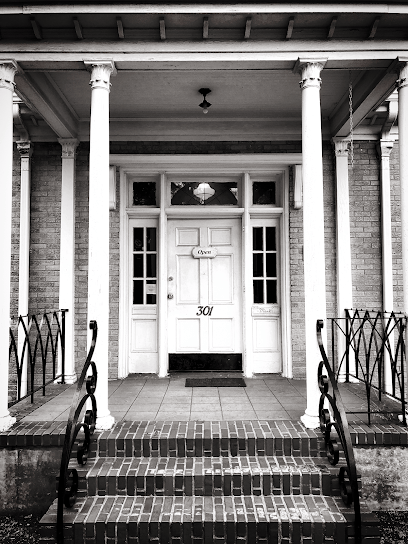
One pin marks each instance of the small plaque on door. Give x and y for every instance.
(204, 252)
(151, 289)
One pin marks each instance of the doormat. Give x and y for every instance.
(215, 382)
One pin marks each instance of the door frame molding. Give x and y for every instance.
(161, 165)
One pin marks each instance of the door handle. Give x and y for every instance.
(170, 296)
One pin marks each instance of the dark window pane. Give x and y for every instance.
(258, 292)
(263, 192)
(144, 193)
(257, 238)
(151, 266)
(204, 193)
(270, 239)
(271, 265)
(271, 297)
(138, 265)
(137, 291)
(151, 239)
(258, 264)
(151, 290)
(138, 239)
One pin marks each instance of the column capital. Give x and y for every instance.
(341, 147)
(101, 71)
(69, 146)
(8, 69)
(310, 71)
(384, 148)
(25, 148)
(402, 80)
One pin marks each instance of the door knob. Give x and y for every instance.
(170, 296)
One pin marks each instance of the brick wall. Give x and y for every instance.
(365, 227)
(396, 228)
(45, 223)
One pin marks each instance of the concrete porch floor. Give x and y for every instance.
(147, 397)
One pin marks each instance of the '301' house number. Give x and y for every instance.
(204, 310)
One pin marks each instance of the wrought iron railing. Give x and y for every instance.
(68, 477)
(333, 420)
(374, 353)
(37, 352)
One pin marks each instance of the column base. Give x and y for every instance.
(104, 423)
(70, 378)
(6, 422)
(310, 422)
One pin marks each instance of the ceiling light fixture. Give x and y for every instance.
(204, 104)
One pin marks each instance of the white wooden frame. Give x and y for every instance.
(245, 165)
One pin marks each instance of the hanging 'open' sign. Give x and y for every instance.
(204, 252)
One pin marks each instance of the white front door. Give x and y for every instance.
(204, 294)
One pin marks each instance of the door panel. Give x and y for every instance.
(204, 301)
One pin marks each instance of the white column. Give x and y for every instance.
(7, 72)
(25, 149)
(98, 266)
(403, 164)
(344, 279)
(163, 282)
(67, 252)
(313, 227)
(384, 150)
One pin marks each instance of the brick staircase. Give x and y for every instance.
(208, 482)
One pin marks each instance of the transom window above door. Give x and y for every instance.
(204, 193)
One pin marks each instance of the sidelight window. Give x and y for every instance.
(264, 265)
(144, 265)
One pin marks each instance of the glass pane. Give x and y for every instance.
(151, 292)
(271, 297)
(144, 193)
(138, 265)
(271, 265)
(204, 193)
(151, 239)
(151, 266)
(270, 239)
(258, 292)
(263, 192)
(138, 239)
(137, 291)
(258, 264)
(257, 238)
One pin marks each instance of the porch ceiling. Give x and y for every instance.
(163, 56)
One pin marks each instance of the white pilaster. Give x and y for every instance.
(67, 251)
(403, 163)
(344, 279)
(163, 282)
(25, 149)
(7, 72)
(384, 150)
(98, 267)
(313, 227)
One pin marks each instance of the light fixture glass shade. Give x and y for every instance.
(204, 191)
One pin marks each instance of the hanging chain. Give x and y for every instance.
(351, 135)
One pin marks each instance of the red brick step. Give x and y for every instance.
(185, 520)
(205, 476)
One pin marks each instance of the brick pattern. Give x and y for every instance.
(236, 519)
(161, 438)
(396, 227)
(206, 476)
(237, 498)
(365, 227)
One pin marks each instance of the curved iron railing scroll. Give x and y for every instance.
(334, 419)
(68, 478)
